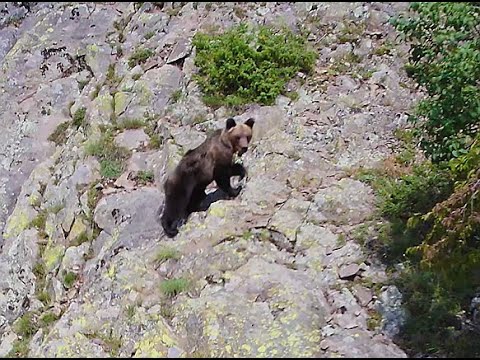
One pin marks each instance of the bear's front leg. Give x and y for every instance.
(238, 170)
(198, 195)
(222, 178)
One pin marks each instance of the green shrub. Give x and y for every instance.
(416, 193)
(451, 246)
(243, 66)
(445, 59)
(434, 228)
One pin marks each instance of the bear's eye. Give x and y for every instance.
(237, 137)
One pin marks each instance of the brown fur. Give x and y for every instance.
(212, 160)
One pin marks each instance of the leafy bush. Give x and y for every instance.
(416, 193)
(445, 59)
(243, 66)
(434, 227)
(433, 326)
(452, 245)
(403, 199)
(434, 210)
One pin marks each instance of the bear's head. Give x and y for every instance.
(239, 135)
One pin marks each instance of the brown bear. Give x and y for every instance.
(212, 160)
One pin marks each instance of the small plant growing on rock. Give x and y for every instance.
(155, 141)
(55, 209)
(59, 136)
(79, 117)
(130, 311)
(172, 287)
(47, 319)
(145, 176)
(374, 320)
(26, 325)
(44, 297)
(20, 349)
(176, 95)
(81, 238)
(39, 222)
(140, 56)
(110, 169)
(69, 279)
(131, 124)
(166, 253)
(93, 196)
(112, 157)
(149, 35)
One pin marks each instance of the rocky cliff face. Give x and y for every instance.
(274, 272)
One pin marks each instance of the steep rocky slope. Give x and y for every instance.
(275, 272)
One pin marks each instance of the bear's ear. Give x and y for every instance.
(231, 123)
(250, 122)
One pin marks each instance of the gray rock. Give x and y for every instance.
(131, 218)
(348, 271)
(266, 290)
(341, 51)
(188, 138)
(350, 201)
(174, 352)
(163, 82)
(363, 294)
(358, 343)
(6, 342)
(389, 306)
(180, 50)
(268, 120)
(132, 139)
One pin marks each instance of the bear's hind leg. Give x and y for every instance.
(175, 210)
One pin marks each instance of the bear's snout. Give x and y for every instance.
(242, 150)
